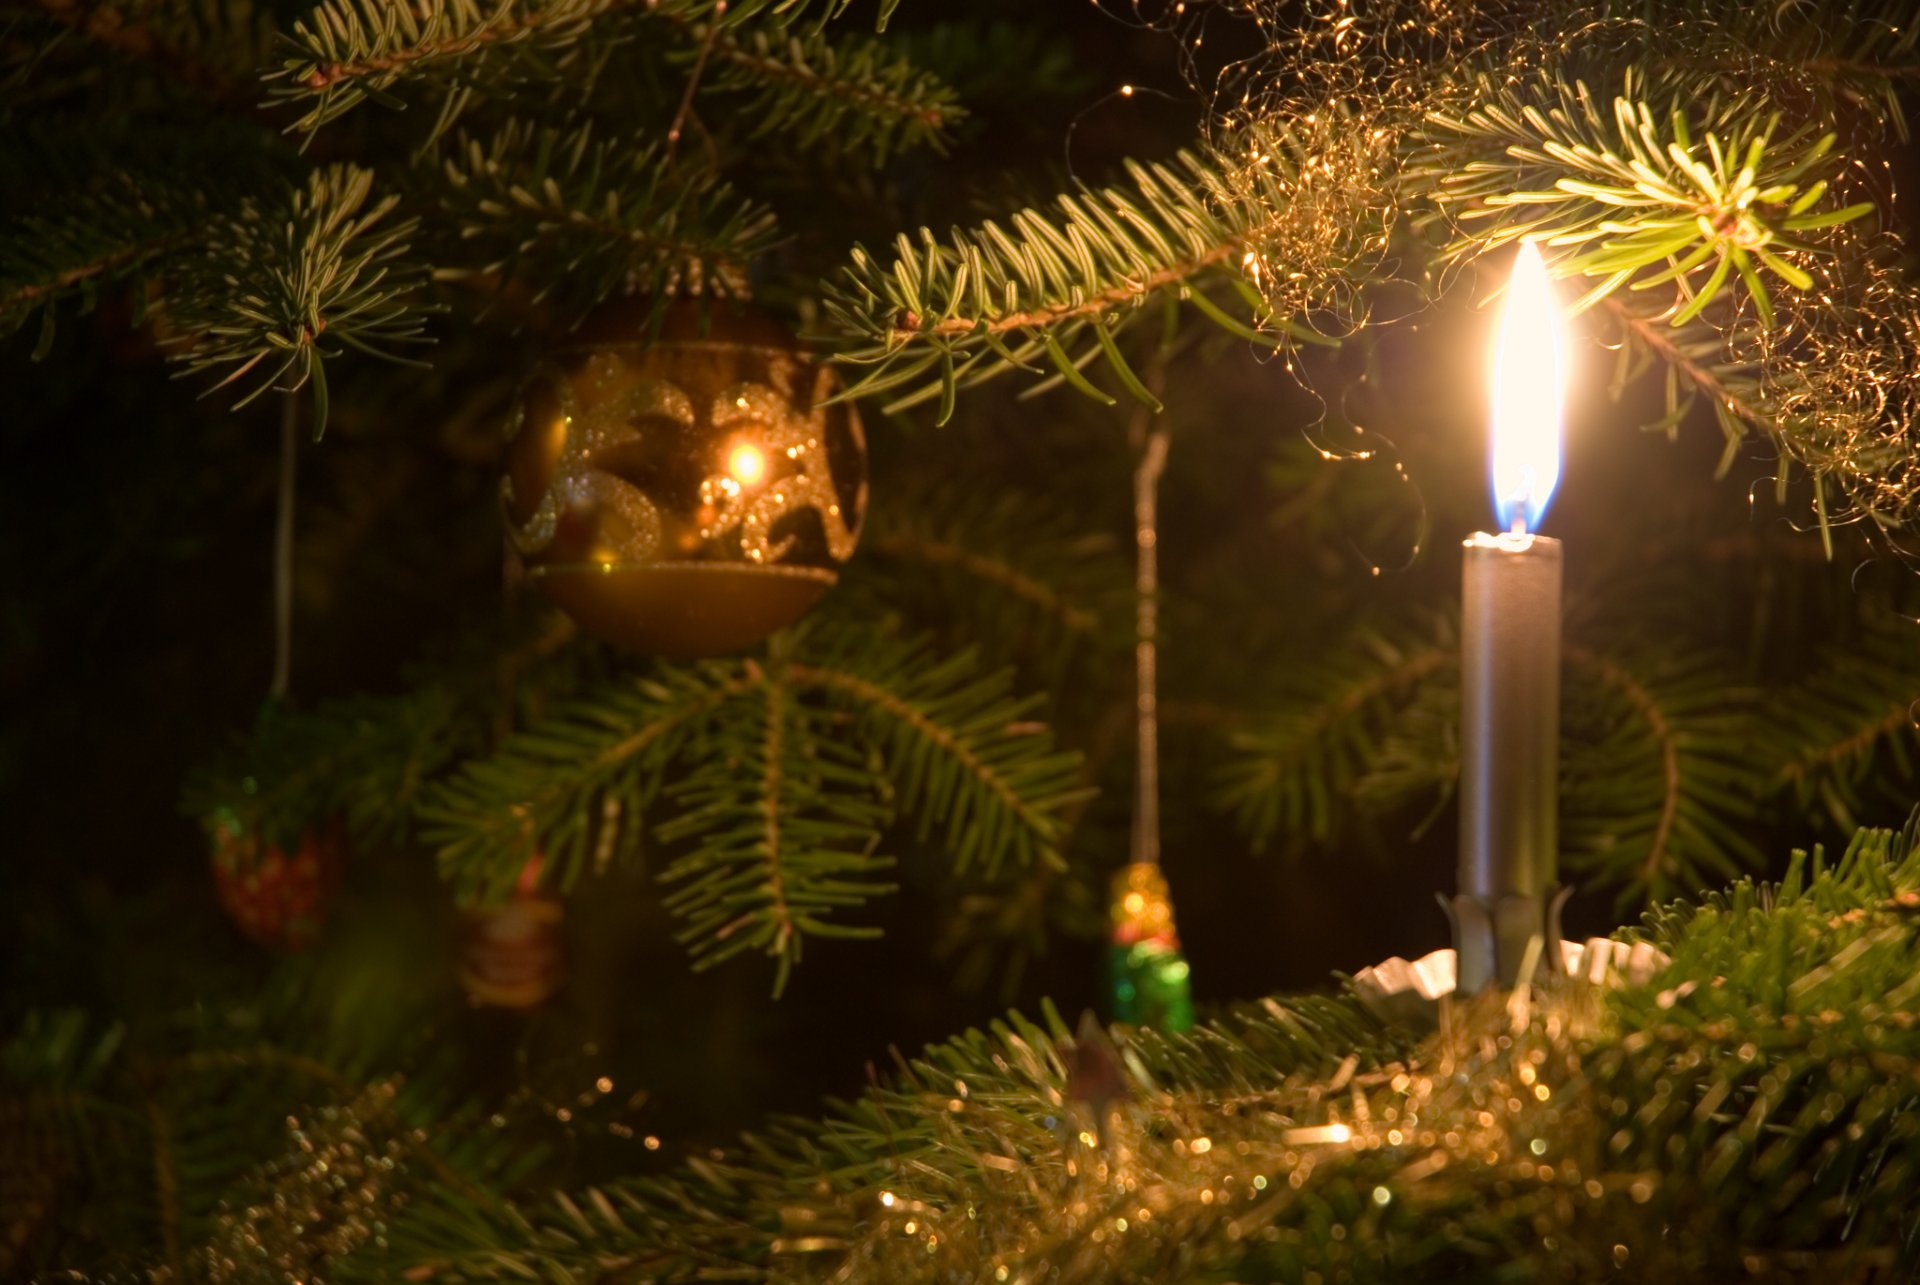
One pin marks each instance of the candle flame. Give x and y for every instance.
(1529, 383)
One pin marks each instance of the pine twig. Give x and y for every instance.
(772, 747)
(878, 697)
(1049, 295)
(912, 326)
(993, 570)
(1658, 728)
(28, 295)
(1823, 757)
(930, 116)
(1658, 339)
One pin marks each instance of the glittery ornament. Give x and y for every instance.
(334, 1192)
(1148, 973)
(683, 494)
(278, 898)
(511, 956)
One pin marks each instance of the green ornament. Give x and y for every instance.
(1151, 986)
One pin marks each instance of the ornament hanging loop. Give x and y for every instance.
(1146, 505)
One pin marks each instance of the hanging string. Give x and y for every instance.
(1146, 588)
(283, 547)
(1148, 436)
(1146, 970)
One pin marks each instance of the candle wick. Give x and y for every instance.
(1519, 526)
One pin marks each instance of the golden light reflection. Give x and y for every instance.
(1529, 387)
(746, 464)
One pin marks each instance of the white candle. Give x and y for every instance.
(1510, 658)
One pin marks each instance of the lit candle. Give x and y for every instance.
(1510, 660)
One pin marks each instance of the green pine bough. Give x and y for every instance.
(1751, 1106)
(1049, 294)
(587, 217)
(1754, 1105)
(348, 52)
(770, 783)
(1717, 230)
(1707, 224)
(1666, 758)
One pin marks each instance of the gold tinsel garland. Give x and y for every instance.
(1366, 204)
(1751, 1109)
(335, 1191)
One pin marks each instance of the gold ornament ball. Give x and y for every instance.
(683, 493)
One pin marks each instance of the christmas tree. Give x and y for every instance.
(591, 570)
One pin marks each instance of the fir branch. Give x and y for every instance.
(363, 760)
(1742, 1106)
(959, 750)
(562, 210)
(1055, 290)
(1847, 56)
(111, 1122)
(1660, 731)
(795, 13)
(770, 749)
(288, 284)
(120, 230)
(157, 1135)
(272, 1057)
(1658, 773)
(1826, 387)
(1289, 773)
(1848, 729)
(1657, 761)
(106, 203)
(783, 824)
(1814, 759)
(990, 569)
(27, 288)
(23, 298)
(62, 1116)
(1004, 571)
(995, 932)
(1125, 292)
(794, 1200)
(1627, 189)
(348, 51)
(856, 92)
(1728, 385)
(998, 59)
(803, 760)
(539, 791)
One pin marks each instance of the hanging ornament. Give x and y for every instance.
(1146, 969)
(511, 953)
(683, 494)
(278, 898)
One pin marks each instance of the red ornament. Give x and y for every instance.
(279, 899)
(511, 955)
